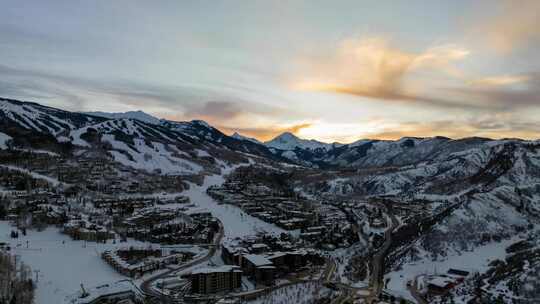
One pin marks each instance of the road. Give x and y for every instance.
(377, 272)
(146, 286)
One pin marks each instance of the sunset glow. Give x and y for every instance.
(266, 68)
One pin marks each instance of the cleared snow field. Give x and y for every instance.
(62, 266)
(236, 222)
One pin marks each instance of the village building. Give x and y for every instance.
(215, 279)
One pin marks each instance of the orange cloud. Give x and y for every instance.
(496, 81)
(373, 68)
(490, 127)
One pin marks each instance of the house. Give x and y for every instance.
(440, 285)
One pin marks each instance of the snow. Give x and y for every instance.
(35, 175)
(31, 117)
(471, 261)
(76, 135)
(38, 151)
(138, 115)
(257, 260)
(62, 267)
(4, 138)
(64, 264)
(301, 293)
(236, 222)
(150, 159)
(288, 141)
(242, 137)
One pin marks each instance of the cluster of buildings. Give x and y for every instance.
(171, 226)
(81, 228)
(322, 225)
(90, 171)
(135, 262)
(265, 259)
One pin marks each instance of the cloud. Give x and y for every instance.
(374, 68)
(491, 126)
(171, 102)
(517, 25)
(228, 110)
(502, 93)
(497, 81)
(79, 93)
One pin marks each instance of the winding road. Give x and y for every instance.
(377, 273)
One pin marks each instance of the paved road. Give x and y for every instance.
(376, 283)
(146, 286)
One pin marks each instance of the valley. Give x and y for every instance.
(169, 206)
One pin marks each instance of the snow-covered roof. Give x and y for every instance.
(440, 281)
(119, 287)
(258, 260)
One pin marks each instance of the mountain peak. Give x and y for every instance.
(239, 136)
(289, 141)
(286, 137)
(138, 115)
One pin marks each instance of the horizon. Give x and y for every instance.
(231, 133)
(380, 70)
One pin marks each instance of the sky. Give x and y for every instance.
(326, 70)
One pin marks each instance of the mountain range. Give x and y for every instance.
(132, 135)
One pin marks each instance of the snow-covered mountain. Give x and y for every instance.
(133, 139)
(31, 124)
(289, 142)
(138, 115)
(238, 136)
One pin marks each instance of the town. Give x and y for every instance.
(167, 247)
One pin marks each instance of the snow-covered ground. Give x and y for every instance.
(52, 181)
(472, 261)
(4, 138)
(236, 222)
(63, 264)
(299, 294)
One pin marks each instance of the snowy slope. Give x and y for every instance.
(4, 138)
(138, 115)
(238, 136)
(288, 141)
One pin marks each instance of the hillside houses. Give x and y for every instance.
(321, 224)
